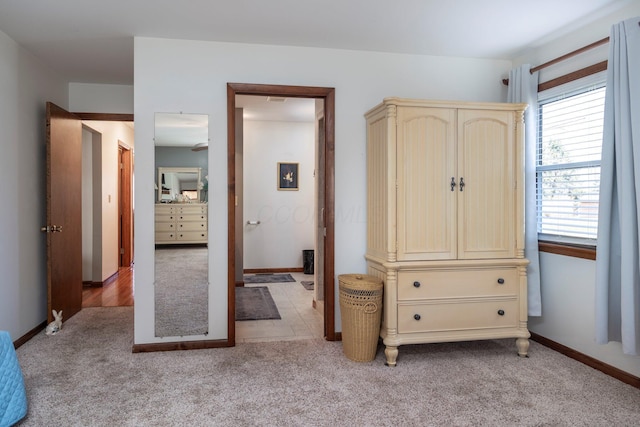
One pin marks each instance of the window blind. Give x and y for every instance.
(568, 163)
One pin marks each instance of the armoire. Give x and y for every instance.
(445, 221)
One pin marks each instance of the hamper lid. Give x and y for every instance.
(360, 281)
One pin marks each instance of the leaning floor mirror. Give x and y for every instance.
(181, 228)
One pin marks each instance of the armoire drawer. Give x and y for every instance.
(451, 316)
(417, 284)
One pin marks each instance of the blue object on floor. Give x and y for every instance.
(13, 396)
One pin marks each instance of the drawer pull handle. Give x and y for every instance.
(416, 316)
(501, 312)
(501, 281)
(416, 284)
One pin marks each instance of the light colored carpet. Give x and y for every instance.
(181, 291)
(86, 375)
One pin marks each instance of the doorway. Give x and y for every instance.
(325, 202)
(107, 209)
(276, 239)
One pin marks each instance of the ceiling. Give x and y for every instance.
(92, 41)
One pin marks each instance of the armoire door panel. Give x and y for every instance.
(426, 164)
(486, 204)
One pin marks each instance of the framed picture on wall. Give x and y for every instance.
(287, 176)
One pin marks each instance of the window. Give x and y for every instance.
(568, 165)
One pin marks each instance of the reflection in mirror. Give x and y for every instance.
(181, 228)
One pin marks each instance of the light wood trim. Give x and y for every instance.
(612, 371)
(576, 251)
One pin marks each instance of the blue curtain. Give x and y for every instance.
(523, 87)
(617, 296)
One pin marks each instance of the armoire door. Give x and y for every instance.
(426, 164)
(486, 184)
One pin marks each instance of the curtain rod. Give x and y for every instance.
(566, 56)
(570, 54)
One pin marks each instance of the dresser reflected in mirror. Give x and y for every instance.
(181, 226)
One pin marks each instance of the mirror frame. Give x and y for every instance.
(162, 170)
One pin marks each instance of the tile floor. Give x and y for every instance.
(299, 319)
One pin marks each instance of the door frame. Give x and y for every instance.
(328, 96)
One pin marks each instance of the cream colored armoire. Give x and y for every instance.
(445, 221)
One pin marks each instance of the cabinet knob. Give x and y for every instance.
(416, 284)
(501, 281)
(501, 312)
(416, 316)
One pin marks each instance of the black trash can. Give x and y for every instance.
(307, 261)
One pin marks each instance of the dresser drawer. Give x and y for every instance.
(193, 236)
(192, 226)
(165, 236)
(165, 226)
(165, 209)
(161, 217)
(192, 210)
(414, 285)
(191, 217)
(451, 316)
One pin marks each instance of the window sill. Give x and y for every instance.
(576, 251)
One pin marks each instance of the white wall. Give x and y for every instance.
(100, 98)
(286, 217)
(87, 206)
(25, 85)
(568, 284)
(194, 81)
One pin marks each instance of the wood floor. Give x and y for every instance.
(117, 293)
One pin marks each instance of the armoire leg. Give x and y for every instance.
(392, 354)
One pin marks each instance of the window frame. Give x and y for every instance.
(563, 245)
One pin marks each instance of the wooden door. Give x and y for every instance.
(64, 211)
(125, 211)
(426, 163)
(486, 203)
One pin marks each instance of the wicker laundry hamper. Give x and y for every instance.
(361, 314)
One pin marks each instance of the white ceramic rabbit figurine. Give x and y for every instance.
(55, 326)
